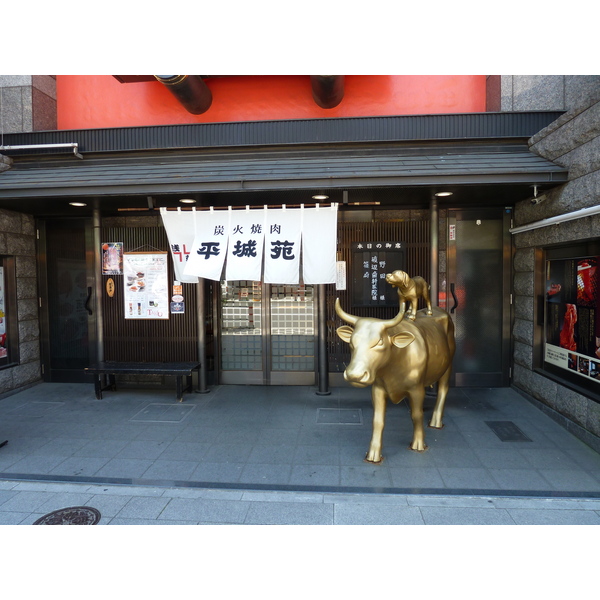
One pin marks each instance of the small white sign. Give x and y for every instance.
(340, 275)
(452, 232)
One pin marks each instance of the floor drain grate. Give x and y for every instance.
(75, 515)
(339, 416)
(163, 413)
(507, 431)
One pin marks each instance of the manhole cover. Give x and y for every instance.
(76, 515)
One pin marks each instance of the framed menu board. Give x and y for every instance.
(145, 281)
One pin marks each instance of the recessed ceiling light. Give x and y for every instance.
(77, 203)
(187, 201)
(320, 197)
(440, 194)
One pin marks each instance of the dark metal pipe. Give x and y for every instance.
(190, 90)
(322, 329)
(435, 249)
(200, 310)
(327, 90)
(97, 240)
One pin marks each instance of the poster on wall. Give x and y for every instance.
(573, 316)
(112, 258)
(3, 345)
(145, 280)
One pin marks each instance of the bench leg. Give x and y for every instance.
(98, 386)
(179, 387)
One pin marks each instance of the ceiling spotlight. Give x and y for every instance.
(320, 197)
(187, 201)
(77, 203)
(441, 194)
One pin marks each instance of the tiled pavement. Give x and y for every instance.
(283, 455)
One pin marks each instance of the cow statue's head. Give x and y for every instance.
(372, 342)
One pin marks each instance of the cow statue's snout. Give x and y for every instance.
(400, 359)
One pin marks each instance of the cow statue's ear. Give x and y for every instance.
(345, 332)
(403, 339)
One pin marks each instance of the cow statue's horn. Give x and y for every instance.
(398, 318)
(344, 315)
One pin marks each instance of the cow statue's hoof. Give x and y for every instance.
(418, 447)
(374, 458)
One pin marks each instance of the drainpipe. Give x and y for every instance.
(327, 90)
(190, 90)
(434, 249)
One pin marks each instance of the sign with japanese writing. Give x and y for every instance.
(240, 240)
(371, 262)
(145, 281)
(210, 244)
(319, 244)
(180, 228)
(572, 316)
(282, 246)
(246, 239)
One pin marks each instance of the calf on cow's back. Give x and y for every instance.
(400, 359)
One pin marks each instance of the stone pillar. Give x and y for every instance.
(27, 103)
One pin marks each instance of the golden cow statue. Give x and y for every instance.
(400, 359)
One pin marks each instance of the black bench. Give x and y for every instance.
(179, 370)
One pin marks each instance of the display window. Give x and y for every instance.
(572, 316)
(8, 313)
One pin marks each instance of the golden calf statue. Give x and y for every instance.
(400, 359)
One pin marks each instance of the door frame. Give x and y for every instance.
(267, 376)
(501, 379)
(64, 375)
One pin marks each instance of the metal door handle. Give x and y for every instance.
(455, 298)
(87, 302)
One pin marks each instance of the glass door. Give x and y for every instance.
(267, 334)
(67, 303)
(479, 296)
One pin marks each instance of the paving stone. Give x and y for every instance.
(26, 501)
(64, 500)
(553, 517)
(440, 515)
(288, 513)
(143, 508)
(12, 518)
(366, 514)
(208, 511)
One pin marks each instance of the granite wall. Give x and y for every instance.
(17, 238)
(573, 141)
(27, 103)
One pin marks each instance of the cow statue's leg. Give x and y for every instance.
(438, 410)
(415, 399)
(378, 396)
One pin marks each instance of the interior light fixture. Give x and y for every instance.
(320, 197)
(442, 194)
(187, 201)
(77, 203)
